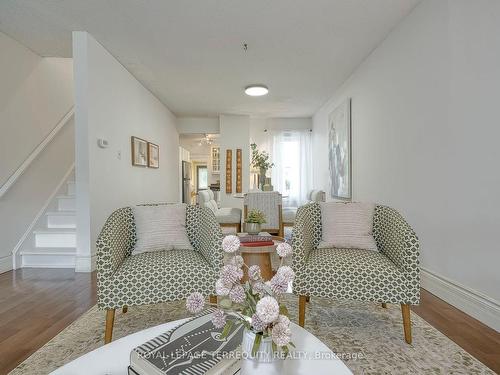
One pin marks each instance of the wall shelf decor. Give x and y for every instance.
(238, 171)
(229, 171)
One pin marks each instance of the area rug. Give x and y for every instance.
(367, 337)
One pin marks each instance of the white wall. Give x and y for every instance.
(194, 125)
(35, 94)
(112, 104)
(425, 136)
(234, 133)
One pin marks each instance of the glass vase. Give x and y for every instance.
(265, 361)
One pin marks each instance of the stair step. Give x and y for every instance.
(61, 219)
(71, 188)
(55, 238)
(49, 257)
(50, 251)
(66, 203)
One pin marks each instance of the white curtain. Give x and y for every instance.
(292, 172)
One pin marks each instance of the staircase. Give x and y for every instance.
(53, 242)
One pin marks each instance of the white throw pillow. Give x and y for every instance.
(347, 225)
(160, 227)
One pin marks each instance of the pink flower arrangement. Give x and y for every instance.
(254, 303)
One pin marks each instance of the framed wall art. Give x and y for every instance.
(339, 151)
(153, 155)
(139, 152)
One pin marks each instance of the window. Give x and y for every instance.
(201, 177)
(292, 174)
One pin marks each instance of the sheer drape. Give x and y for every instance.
(292, 156)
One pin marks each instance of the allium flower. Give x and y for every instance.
(237, 294)
(230, 274)
(281, 334)
(195, 302)
(284, 249)
(221, 289)
(286, 272)
(238, 261)
(278, 284)
(254, 272)
(258, 287)
(258, 324)
(267, 309)
(230, 244)
(219, 318)
(283, 319)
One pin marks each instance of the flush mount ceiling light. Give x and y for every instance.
(256, 90)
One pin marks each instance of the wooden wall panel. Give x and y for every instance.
(238, 171)
(229, 171)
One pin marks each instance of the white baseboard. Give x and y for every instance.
(472, 302)
(85, 263)
(6, 264)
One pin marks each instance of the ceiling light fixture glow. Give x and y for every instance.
(256, 90)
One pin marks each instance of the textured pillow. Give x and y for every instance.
(212, 205)
(347, 225)
(160, 227)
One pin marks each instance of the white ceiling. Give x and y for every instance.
(191, 142)
(189, 52)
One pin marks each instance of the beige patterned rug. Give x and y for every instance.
(367, 337)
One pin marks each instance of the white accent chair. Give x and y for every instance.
(289, 213)
(270, 203)
(229, 217)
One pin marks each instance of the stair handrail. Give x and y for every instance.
(34, 154)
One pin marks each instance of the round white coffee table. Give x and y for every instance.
(312, 356)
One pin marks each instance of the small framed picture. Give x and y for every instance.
(153, 155)
(139, 152)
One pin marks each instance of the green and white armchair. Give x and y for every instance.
(153, 277)
(389, 275)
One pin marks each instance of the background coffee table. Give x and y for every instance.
(260, 256)
(114, 358)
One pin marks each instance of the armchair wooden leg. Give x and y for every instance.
(110, 320)
(384, 305)
(124, 309)
(405, 310)
(302, 310)
(213, 299)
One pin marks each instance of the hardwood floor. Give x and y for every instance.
(36, 304)
(472, 335)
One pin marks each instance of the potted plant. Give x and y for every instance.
(254, 304)
(254, 220)
(260, 161)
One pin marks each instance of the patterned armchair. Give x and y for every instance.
(390, 275)
(126, 280)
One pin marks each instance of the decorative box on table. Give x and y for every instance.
(194, 347)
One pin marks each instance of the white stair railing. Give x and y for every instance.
(34, 154)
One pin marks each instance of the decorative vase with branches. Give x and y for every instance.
(261, 161)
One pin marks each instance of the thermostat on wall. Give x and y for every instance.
(102, 143)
